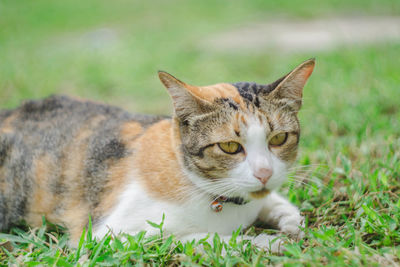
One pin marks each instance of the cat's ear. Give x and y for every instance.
(290, 86)
(186, 100)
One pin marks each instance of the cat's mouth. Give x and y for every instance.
(260, 193)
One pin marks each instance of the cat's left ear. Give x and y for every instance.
(290, 87)
(187, 99)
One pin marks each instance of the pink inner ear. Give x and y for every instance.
(292, 85)
(301, 76)
(308, 71)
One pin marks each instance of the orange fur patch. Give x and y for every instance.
(76, 217)
(158, 167)
(129, 133)
(6, 125)
(220, 90)
(42, 202)
(243, 119)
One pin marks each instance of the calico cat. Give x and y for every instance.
(211, 168)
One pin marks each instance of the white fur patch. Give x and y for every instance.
(135, 207)
(258, 156)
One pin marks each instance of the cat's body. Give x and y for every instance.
(65, 159)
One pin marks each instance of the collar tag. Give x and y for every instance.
(217, 204)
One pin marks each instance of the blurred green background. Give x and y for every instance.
(111, 50)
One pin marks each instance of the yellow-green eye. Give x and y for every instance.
(278, 139)
(230, 147)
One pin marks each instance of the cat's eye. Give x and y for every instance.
(279, 139)
(230, 147)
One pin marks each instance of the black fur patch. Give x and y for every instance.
(251, 90)
(4, 150)
(112, 149)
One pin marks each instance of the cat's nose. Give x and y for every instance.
(263, 175)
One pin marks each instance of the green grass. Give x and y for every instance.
(347, 181)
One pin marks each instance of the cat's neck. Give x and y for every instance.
(159, 164)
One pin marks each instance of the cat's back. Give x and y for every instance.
(48, 125)
(64, 111)
(58, 153)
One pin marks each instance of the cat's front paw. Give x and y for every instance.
(292, 225)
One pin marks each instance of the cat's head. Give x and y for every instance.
(238, 139)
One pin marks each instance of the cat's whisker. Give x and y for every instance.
(201, 184)
(300, 182)
(306, 183)
(306, 172)
(225, 194)
(313, 168)
(307, 175)
(205, 188)
(308, 166)
(311, 182)
(214, 186)
(302, 178)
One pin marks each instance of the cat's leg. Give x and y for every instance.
(270, 243)
(280, 213)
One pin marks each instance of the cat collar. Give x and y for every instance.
(218, 202)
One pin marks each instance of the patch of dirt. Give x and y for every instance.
(307, 35)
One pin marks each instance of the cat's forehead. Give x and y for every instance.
(246, 90)
(240, 94)
(243, 104)
(242, 101)
(250, 91)
(211, 93)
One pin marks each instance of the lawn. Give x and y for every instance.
(347, 178)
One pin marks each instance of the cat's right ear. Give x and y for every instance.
(186, 103)
(290, 87)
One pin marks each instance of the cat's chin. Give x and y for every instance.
(260, 193)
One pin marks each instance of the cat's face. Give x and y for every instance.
(238, 139)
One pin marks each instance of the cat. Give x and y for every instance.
(212, 167)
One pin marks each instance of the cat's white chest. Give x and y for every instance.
(135, 208)
(232, 216)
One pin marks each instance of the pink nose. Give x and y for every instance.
(263, 175)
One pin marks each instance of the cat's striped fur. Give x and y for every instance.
(66, 158)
